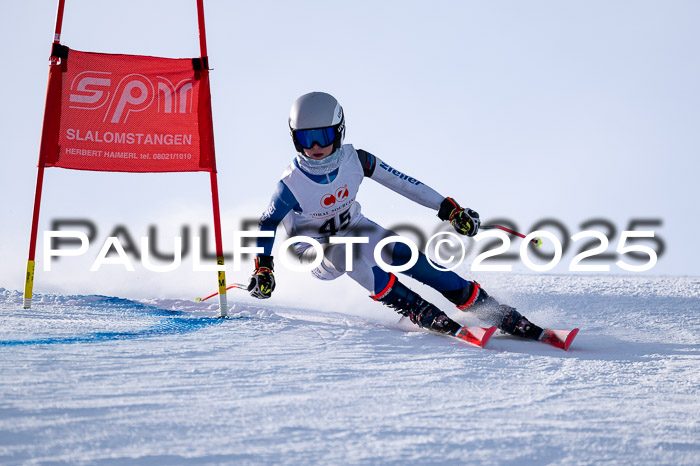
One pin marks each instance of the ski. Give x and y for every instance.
(478, 336)
(559, 338)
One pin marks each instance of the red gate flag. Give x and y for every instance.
(127, 113)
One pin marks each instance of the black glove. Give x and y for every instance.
(465, 222)
(262, 282)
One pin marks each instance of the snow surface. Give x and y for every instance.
(104, 380)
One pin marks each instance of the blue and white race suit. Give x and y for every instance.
(321, 206)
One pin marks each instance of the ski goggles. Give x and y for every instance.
(321, 136)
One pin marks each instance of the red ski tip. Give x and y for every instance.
(570, 339)
(478, 336)
(559, 338)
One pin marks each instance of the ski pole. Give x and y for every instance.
(536, 241)
(240, 286)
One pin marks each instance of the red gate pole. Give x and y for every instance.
(29, 279)
(212, 174)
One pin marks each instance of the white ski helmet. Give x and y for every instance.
(316, 117)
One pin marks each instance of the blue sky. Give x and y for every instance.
(521, 110)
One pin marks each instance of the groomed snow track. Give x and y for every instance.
(102, 380)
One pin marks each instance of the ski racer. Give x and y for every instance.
(316, 197)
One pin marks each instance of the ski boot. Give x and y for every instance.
(467, 296)
(508, 320)
(422, 313)
(516, 324)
